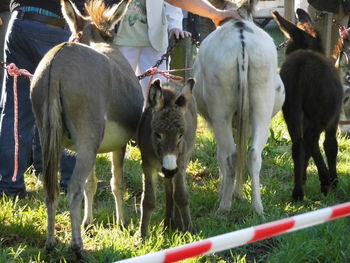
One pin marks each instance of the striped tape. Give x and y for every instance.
(244, 236)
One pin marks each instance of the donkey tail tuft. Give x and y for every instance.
(242, 112)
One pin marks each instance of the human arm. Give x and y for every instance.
(205, 9)
(174, 18)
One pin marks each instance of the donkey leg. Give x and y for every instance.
(292, 116)
(260, 133)
(148, 199)
(51, 208)
(312, 136)
(89, 194)
(331, 149)
(84, 164)
(307, 156)
(169, 203)
(117, 184)
(181, 199)
(226, 152)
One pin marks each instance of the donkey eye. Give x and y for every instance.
(158, 136)
(347, 78)
(180, 136)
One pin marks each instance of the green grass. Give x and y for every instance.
(23, 222)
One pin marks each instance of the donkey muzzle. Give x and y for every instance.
(169, 173)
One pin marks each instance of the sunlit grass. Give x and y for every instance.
(23, 222)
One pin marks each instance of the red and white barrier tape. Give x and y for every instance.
(244, 236)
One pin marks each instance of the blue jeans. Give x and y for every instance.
(26, 43)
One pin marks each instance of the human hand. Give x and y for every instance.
(178, 33)
(1, 22)
(222, 15)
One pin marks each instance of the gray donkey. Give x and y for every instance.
(86, 98)
(166, 138)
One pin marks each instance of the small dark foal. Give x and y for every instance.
(313, 101)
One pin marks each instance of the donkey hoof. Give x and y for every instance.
(325, 189)
(298, 195)
(334, 182)
(78, 250)
(239, 196)
(259, 210)
(191, 229)
(50, 244)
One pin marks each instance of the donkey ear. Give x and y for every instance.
(303, 16)
(116, 13)
(186, 93)
(155, 96)
(288, 28)
(72, 15)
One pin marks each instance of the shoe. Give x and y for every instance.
(21, 194)
(39, 179)
(64, 188)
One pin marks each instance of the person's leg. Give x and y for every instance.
(5, 17)
(27, 42)
(36, 151)
(15, 52)
(132, 54)
(148, 57)
(67, 166)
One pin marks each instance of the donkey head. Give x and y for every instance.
(245, 8)
(223, 4)
(300, 36)
(98, 25)
(168, 123)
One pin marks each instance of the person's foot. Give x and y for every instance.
(39, 179)
(64, 188)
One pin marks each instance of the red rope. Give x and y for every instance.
(15, 72)
(165, 73)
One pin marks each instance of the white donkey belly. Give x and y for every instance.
(115, 137)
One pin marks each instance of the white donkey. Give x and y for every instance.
(238, 87)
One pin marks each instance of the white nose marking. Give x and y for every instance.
(169, 162)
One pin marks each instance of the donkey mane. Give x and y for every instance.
(98, 13)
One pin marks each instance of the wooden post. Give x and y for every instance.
(289, 7)
(182, 57)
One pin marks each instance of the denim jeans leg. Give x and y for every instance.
(67, 166)
(26, 43)
(37, 160)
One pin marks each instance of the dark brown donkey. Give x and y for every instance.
(166, 138)
(313, 101)
(86, 98)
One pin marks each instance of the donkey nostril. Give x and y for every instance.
(169, 173)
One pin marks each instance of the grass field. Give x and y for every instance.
(23, 222)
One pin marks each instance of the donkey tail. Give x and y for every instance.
(243, 110)
(51, 134)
